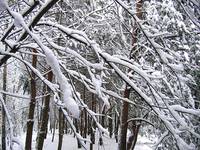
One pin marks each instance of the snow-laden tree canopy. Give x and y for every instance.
(104, 45)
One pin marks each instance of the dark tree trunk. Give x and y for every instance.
(103, 116)
(54, 130)
(3, 140)
(44, 90)
(85, 117)
(124, 118)
(60, 137)
(92, 136)
(44, 118)
(117, 122)
(30, 121)
(81, 124)
(92, 124)
(86, 124)
(110, 124)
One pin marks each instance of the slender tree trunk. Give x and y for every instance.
(44, 118)
(3, 140)
(30, 121)
(85, 117)
(102, 123)
(124, 118)
(110, 124)
(103, 116)
(117, 122)
(60, 137)
(92, 137)
(92, 124)
(54, 130)
(77, 131)
(81, 124)
(41, 109)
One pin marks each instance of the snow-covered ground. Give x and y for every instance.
(70, 143)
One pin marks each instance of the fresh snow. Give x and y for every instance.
(70, 143)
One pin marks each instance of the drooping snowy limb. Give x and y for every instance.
(45, 7)
(78, 136)
(10, 124)
(95, 80)
(54, 64)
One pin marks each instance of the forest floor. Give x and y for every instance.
(70, 143)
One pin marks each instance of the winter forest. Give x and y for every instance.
(100, 74)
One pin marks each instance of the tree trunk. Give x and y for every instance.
(81, 124)
(117, 122)
(30, 121)
(135, 127)
(85, 117)
(102, 123)
(92, 136)
(124, 118)
(92, 124)
(110, 124)
(60, 137)
(3, 140)
(44, 118)
(124, 115)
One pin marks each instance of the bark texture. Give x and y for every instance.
(124, 118)
(30, 121)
